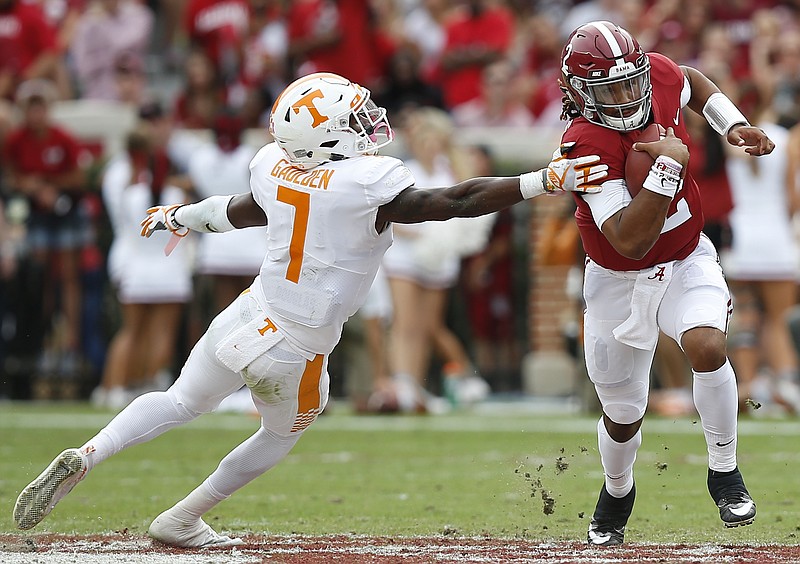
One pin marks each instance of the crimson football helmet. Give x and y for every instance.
(323, 117)
(606, 75)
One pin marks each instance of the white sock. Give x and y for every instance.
(260, 452)
(193, 506)
(716, 399)
(617, 459)
(145, 418)
(253, 457)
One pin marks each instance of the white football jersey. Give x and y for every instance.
(323, 249)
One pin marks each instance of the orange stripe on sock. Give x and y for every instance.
(308, 398)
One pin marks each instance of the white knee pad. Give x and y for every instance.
(620, 373)
(625, 403)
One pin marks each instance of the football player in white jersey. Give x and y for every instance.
(329, 202)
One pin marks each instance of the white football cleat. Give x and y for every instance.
(168, 529)
(40, 496)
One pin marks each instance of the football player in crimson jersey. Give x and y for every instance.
(649, 267)
(329, 202)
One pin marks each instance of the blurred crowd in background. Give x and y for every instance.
(86, 308)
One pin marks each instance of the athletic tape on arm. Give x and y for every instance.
(206, 216)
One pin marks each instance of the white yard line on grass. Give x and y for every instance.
(365, 549)
(466, 422)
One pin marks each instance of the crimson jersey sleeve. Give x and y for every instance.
(612, 146)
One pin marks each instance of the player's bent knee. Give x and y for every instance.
(624, 414)
(705, 348)
(278, 434)
(623, 404)
(621, 432)
(286, 429)
(182, 405)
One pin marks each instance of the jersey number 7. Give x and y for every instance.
(301, 203)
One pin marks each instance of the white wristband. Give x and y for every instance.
(722, 114)
(206, 216)
(532, 184)
(664, 176)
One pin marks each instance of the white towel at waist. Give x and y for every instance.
(247, 343)
(640, 330)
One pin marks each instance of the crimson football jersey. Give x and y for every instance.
(684, 221)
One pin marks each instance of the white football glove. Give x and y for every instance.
(574, 175)
(161, 218)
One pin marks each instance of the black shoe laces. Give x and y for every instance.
(731, 495)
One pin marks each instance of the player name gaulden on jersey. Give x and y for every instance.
(316, 178)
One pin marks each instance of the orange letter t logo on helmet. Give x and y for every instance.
(307, 101)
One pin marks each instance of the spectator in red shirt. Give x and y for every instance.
(263, 74)
(542, 68)
(219, 27)
(337, 36)
(27, 45)
(41, 160)
(478, 35)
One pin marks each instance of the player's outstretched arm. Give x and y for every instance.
(723, 115)
(479, 196)
(215, 214)
(243, 211)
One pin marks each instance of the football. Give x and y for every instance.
(638, 163)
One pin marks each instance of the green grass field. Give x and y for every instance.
(479, 473)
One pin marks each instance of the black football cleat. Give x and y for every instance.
(727, 489)
(607, 527)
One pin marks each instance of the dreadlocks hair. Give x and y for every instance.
(568, 108)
